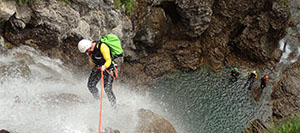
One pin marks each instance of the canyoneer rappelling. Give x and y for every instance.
(235, 73)
(101, 55)
(251, 79)
(263, 81)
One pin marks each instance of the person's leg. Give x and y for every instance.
(252, 80)
(108, 80)
(235, 77)
(262, 85)
(94, 78)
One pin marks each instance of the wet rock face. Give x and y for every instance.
(158, 21)
(151, 32)
(285, 96)
(55, 27)
(157, 70)
(251, 29)
(7, 9)
(196, 16)
(243, 33)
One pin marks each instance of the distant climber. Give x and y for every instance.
(252, 75)
(251, 79)
(263, 82)
(235, 73)
(101, 54)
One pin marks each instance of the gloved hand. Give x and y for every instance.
(103, 68)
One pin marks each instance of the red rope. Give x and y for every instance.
(101, 96)
(101, 101)
(114, 79)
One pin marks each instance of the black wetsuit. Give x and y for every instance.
(235, 74)
(95, 76)
(263, 82)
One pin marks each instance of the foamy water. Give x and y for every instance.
(52, 100)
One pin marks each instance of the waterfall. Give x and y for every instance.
(39, 94)
(290, 48)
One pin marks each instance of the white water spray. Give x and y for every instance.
(290, 48)
(51, 100)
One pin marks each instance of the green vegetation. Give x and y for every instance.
(286, 2)
(286, 125)
(128, 4)
(291, 125)
(117, 4)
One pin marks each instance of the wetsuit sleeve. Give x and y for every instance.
(91, 60)
(106, 54)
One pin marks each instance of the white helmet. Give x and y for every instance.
(84, 44)
(254, 71)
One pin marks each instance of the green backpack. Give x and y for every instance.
(114, 43)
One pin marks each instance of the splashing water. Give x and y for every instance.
(49, 98)
(290, 48)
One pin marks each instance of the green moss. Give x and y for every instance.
(128, 4)
(117, 4)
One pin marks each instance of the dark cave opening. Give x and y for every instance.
(170, 9)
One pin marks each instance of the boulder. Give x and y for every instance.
(153, 123)
(7, 9)
(3, 131)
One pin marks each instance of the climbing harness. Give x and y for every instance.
(114, 76)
